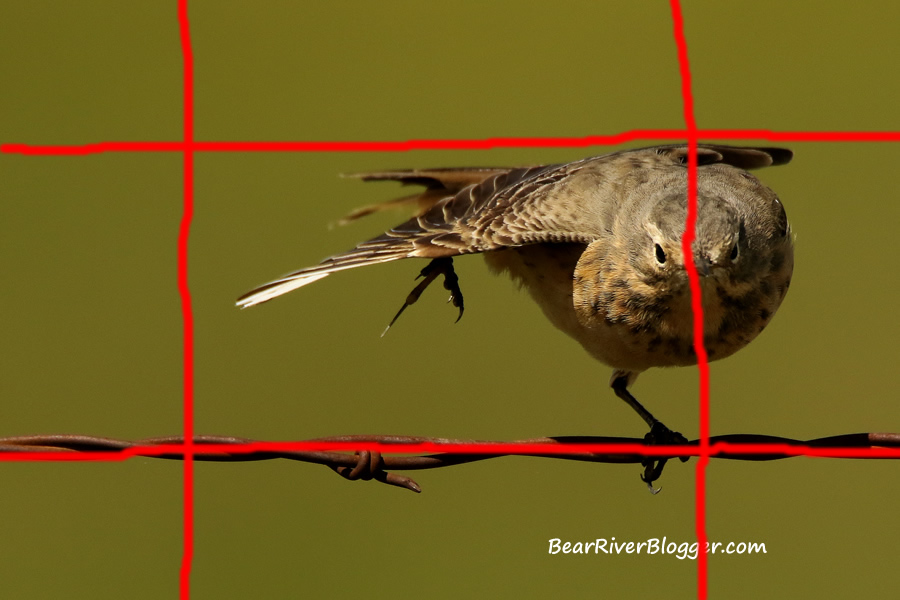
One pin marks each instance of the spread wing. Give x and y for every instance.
(471, 210)
(456, 216)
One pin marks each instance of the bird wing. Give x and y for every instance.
(737, 156)
(461, 211)
(438, 183)
(471, 210)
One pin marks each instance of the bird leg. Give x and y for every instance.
(659, 434)
(437, 266)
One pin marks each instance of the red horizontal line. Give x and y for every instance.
(430, 447)
(800, 136)
(84, 149)
(452, 144)
(344, 146)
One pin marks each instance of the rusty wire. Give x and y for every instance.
(372, 464)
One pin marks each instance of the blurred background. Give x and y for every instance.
(91, 323)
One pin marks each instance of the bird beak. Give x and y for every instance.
(703, 265)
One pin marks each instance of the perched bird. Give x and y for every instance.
(597, 243)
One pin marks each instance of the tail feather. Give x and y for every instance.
(341, 262)
(420, 203)
(438, 183)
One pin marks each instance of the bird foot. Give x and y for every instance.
(659, 435)
(438, 266)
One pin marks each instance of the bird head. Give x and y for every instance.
(721, 250)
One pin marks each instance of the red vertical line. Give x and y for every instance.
(696, 298)
(185, 293)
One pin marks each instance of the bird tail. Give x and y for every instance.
(438, 183)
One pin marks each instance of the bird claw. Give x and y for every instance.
(436, 267)
(659, 435)
(451, 284)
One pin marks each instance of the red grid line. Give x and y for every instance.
(687, 241)
(188, 146)
(187, 558)
(450, 144)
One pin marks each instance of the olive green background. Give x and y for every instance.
(91, 326)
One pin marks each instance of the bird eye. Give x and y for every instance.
(660, 255)
(734, 252)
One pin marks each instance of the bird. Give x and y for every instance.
(597, 244)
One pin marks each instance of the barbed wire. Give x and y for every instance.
(361, 457)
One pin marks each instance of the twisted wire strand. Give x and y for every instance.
(371, 464)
